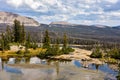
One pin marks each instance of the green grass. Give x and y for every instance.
(32, 52)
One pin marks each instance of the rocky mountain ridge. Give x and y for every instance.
(8, 18)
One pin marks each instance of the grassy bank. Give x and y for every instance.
(18, 54)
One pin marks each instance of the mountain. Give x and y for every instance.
(116, 27)
(8, 18)
(87, 32)
(100, 26)
(61, 23)
(57, 29)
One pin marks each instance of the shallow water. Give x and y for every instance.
(62, 71)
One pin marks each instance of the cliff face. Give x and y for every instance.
(8, 18)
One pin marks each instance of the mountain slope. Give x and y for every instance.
(85, 32)
(8, 18)
(116, 27)
(57, 29)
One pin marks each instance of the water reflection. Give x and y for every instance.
(77, 63)
(39, 74)
(35, 60)
(12, 70)
(22, 61)
(0, 66)
(11, 61)
(57, 67)
(58, 71)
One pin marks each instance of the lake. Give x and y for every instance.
(57, 70)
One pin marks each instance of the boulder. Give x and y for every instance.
(11, 61)
(35, 60)
(0, 60)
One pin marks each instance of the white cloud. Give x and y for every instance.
(111, 1)
(15, 3)
(117, 13)
(55, 17)
(50, 2)
(67, 10)
(33, 4)
(90, 1)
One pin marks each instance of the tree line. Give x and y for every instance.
(17, 34)
(54, 49)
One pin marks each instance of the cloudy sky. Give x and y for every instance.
(104, 12)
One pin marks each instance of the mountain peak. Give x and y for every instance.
(61, 22)
(100, 26)
(8, 18)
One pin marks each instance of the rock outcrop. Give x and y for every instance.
(8, 18)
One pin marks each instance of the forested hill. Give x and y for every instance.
(57, 29)
(103, 33)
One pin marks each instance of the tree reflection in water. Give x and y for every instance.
(118, 77)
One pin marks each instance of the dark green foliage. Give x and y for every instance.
(42, 55)
(9, 34)
(57, 47)
(19, 33)
(70, 49)
(19, 52)
(52, 51)
(34, 45)
(46, 42)
(65, 48)
(26, 51)
(28, 43)
(23, 37)
(114, 53)
(96, 53)
(65, 41)
(4, 42)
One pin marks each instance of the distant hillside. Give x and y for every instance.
(57, 29)
(94, 32)
(8, 18)
(116, 27)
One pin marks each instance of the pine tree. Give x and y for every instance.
(4, 42)
(22, 34)
(96, 53)
(28, 45)
(65, 41)
(46, 42)
(9, 34)
(64, 48)
(17, 31)
(57, 47)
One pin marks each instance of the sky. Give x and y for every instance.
(89, 12)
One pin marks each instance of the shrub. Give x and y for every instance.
(67, 50)
(114, 53)
(19, 52)
(42, 55)
(96, 53)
